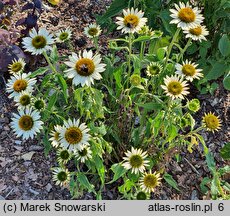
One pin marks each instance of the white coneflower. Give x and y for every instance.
(55, 136)
(74, 135)
(185, 16)
(38, 42)
(149, 181)
(61, 176)
(23, 99)
(63, 35)
(132, 21)
(84, 154)
(17, 66)
(92, 31)
(84, 68)
(188, 70)
(63, 156)
(175, 87)
(197, 33)
(135, 160)
(27, 123)
(154, 69)
(211, 122)
(19, 83)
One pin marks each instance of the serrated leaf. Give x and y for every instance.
(100, 168)
(217, 71)
(170, 180)
(83, 180)
(211, 162)
(118, 170)
(204, 182)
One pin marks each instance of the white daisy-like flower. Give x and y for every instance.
(185, 16)
(154, 69)
(63, 156)
(61, 176)
(84, 68)
(63, 35)
(73, 135)
(197, 33)
(175, 87)
(188, 70)
(135, 160)
(92, 30)
(17, 66)
(55, 136)
(38, 42)
(23, 99)
(84, 154)
(149, 181)
(27, 123)
(132, 21)
(19, 83)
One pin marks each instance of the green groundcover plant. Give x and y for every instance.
(115, 117)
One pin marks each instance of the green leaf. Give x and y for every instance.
(172, 132)
(38, 72)
(204, 182)
(83, 180)
(211, 162)
(63, 85)
(100, 168)
(142, 39)
(169, 179)
(150, 106)
(224, 170)
(202, 142)
(52, 101)
(47, 144)
(224, 45)
(225, 151)
(118, 170)
(126, 187)
(115, 8)
(226, 82)
(161, 53)
(54, 54)
(217, 71)
(118, 77)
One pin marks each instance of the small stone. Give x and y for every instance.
(194, 195)
(35, 148)
(18, 142)
(48, 187)
(2, 198)
(28, 156)
(33, 191)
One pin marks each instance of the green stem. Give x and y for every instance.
(130, 53)
(185, 48)
(142, 50)
(95, 41)
(171, 46)
(49, 62)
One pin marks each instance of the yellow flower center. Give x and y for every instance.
(150, 181)
(73, 135)
(188, 70)
(39, 42)
(26, 122)
(175, 87)
(131, 21)
(196, 31)
(62, 176)
(20, 85)
(24, 100)
(63, 36)
(211, 122)
(93, 31)
(187, 15)
(56, 136)
(16, 67)
(85, 66)
(136, 161)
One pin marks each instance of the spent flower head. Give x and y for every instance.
(61, 176)
(142, 195)
(135, 80)
(154, 69)
(63, 35)
(193, 105)
(63, 156)
(92, 30)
